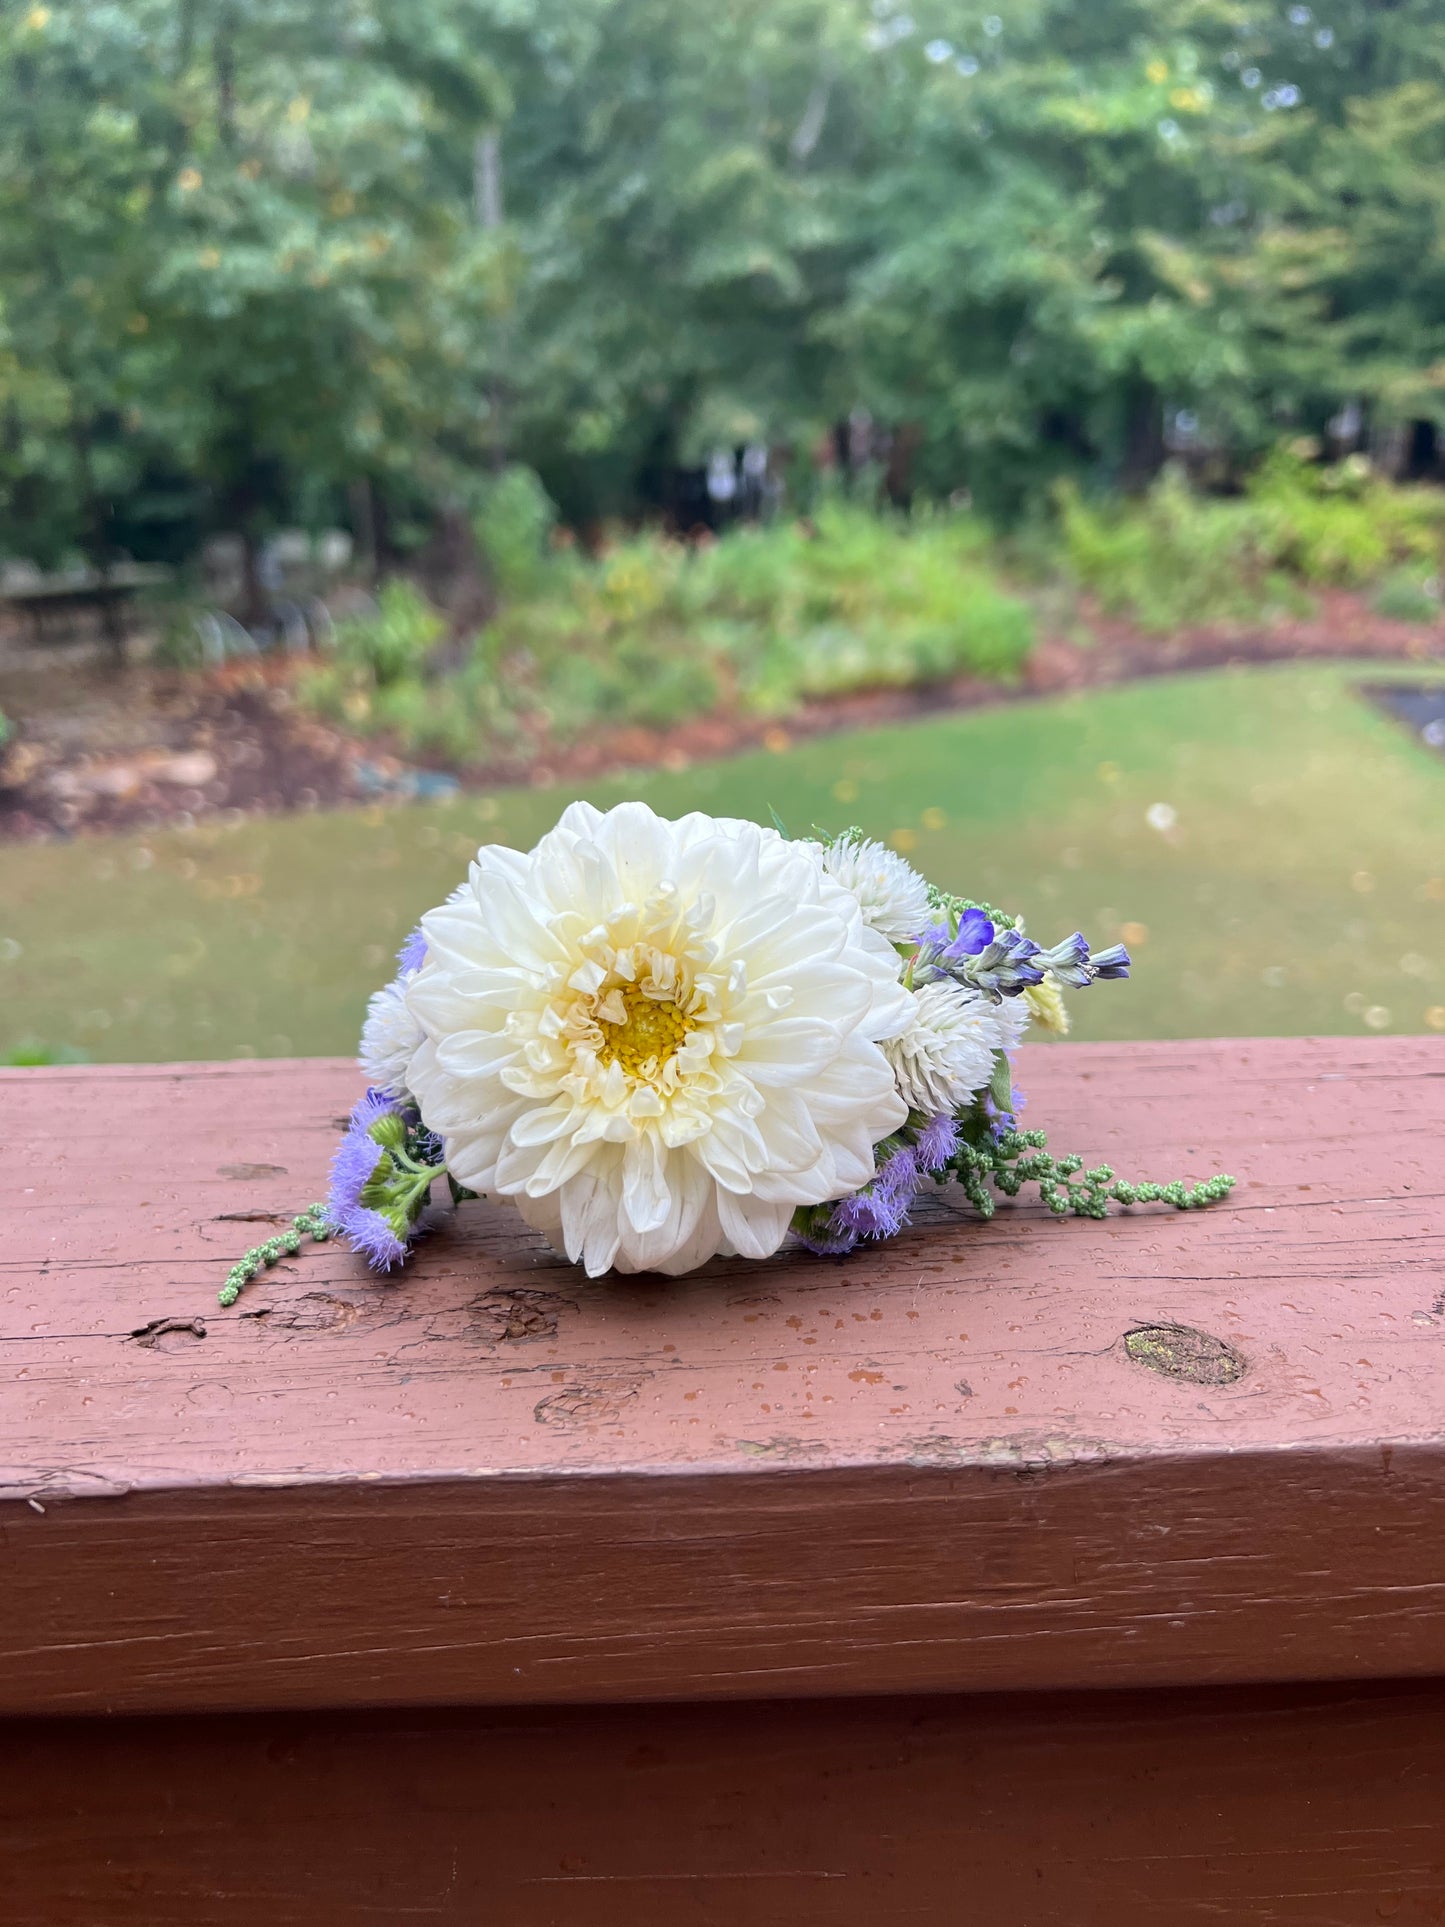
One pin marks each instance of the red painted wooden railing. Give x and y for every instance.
(363, 1542)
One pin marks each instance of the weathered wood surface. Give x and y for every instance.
(1275, 1807)
(942, 1465)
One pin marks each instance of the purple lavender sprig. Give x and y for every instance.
(996, 961)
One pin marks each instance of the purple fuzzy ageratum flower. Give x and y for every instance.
(356, 1159)
(880, 1209)
(832, 1243)
(412, 954)
(937, 1142)
(368, 1233)
(1001, 1122)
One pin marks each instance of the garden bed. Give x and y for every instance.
(99, 753)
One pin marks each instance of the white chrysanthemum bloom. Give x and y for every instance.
(390, 1035)
(891, 894)
(389, 1038)
(946, 1053)
(657, 1038)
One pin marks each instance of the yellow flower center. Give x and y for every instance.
(652, 1031)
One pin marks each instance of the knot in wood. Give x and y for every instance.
(1179, 1351)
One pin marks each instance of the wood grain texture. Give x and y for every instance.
(1295, 1807)
(952, 1463)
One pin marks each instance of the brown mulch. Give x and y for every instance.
(97, 752)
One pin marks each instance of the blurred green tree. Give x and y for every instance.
(265, 257)
(244, 239)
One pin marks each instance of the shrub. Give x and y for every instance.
(1345, 524)
(1175, 557)
(1408, 595)
(33, 1051)
(393, 641)
(512, 527)
(655, 631)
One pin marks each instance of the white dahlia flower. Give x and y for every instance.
(657, 1038)
(891, 894)
(946, 1053)
(390, 1035)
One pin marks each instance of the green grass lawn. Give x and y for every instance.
(1300, 889)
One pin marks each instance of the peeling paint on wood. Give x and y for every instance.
(507, 1317)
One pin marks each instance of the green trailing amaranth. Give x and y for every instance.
(1019, 1158)
(988, 1153)
(664, 1041)
(1008, 1159)
(310, 1223)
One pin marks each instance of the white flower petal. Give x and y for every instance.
(755, 1228)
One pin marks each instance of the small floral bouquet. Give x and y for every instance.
(666, 1040)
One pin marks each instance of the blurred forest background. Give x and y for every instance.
(466, 392)
(291, 262)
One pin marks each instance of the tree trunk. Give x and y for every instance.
(1144, 448)
(487, 198)
(898, 477)
(255, 601)
(467, 594)
(362, 502)
(487, 179)
(225, 56)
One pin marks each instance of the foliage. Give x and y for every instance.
(288, 259)
(512, 524)
(654, 632)
(1409, 595)
(1171, 558)
(1345, 524)
(33, 1051)
(853, 600)
(1177, 556)
(393, 641)
(239, 259)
